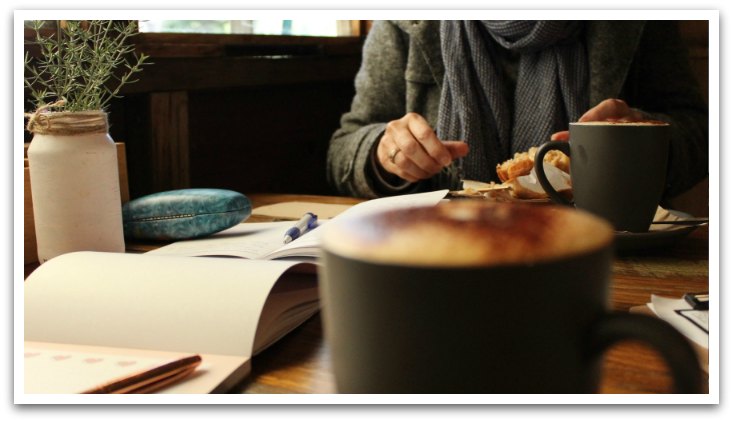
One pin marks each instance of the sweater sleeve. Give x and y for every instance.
(379, 98)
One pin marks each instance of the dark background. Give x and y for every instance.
(255, 113)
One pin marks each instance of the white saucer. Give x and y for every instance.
(655, 238)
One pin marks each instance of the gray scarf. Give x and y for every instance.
(552, 88)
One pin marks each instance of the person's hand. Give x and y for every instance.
(610, 110)
(410, 149)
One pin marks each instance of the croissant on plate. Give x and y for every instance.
(523, 162)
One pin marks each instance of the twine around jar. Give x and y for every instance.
(44, 122)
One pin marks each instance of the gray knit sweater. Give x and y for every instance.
(643, 63)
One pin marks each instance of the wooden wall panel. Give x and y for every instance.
(230, 122)
(170, 140)
(266, 139)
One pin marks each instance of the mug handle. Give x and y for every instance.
(674, 348)
(540, 169)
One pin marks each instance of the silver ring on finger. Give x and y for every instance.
(393, 154)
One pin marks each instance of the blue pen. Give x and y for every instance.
(306, 222)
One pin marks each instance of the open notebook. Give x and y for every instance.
(91, 305)
(92, 316)
(265, 240)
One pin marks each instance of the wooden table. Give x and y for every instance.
(300, 362)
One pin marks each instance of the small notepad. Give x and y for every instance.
(697, 317)
(667, 309)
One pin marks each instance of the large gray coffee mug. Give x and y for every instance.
(475, 297)
(618, 170)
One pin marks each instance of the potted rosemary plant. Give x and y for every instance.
(79, 66)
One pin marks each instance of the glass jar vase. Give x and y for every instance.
(74, 184)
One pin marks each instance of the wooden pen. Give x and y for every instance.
(149, 380)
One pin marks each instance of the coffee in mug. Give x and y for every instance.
(478, 297)
(618, 170)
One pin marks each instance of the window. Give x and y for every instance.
(307, 27)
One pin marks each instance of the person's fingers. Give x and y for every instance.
(428, 140)
(407, 169)
(607, 109)
(611, 109)
(386, 152)
(560, 136)
(410, 149)
(457, 149)
(409, 142)
(394, 161)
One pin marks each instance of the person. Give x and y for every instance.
(441, 101)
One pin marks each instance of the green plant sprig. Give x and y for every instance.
(79, 63)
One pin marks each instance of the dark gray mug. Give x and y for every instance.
(618, 170)
(475, 297)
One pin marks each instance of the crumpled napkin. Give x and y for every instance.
(557, 178)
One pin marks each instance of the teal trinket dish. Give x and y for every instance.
(184, 214)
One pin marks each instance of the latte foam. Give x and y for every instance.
(621, 123)
(468, 233)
